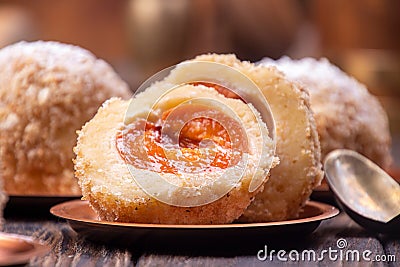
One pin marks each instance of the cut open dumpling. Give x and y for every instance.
(177, 153)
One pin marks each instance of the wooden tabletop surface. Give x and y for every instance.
(70, 249)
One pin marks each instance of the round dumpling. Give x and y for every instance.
(297, 145)
(347, 115)
(48, 90)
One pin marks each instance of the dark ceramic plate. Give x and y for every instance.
(33, 205)
(20, 200)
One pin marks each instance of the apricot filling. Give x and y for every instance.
(203, 145)
(179, 143)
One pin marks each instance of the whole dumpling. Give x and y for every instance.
(347, 115)
(48, 90)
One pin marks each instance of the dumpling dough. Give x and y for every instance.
(297, 144)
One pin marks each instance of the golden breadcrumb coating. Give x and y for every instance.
(112, 190)
(347, 115)
(48, 90)
(297, 144)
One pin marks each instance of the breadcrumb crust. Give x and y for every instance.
(347, 115)
(47, 91)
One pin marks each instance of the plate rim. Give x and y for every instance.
(44, 196)
(328, 211)
(39, 248)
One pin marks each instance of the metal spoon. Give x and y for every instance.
(366, 193)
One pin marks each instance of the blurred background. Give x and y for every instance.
(141, 37)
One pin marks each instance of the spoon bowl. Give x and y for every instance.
(366, 193)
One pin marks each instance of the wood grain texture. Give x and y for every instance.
(70, 249)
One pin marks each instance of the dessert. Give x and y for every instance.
(48, 90)
(111, 148)
(347, 115)
(145, 161)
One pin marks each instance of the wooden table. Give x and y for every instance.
(69, 249)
